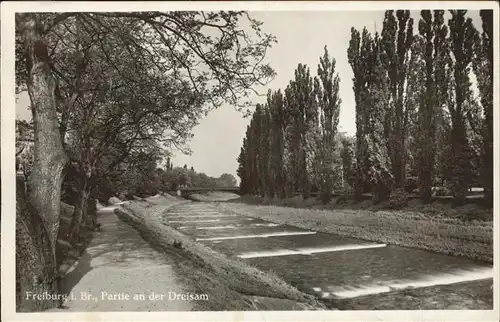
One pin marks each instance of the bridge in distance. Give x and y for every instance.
(191, 190)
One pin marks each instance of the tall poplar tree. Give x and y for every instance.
(371, 93)
(255, 126)
(397, 36)
(292, 141)
(416, 91)
(306, 116)
(327, 95)
(462, 36)
(356, 56)
(483, 69)
(277, 132)
(266, 188)
(348, 162)
(433, 31)
(380, 177)
(243, 171)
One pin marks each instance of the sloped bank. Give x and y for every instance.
(230, 284)
(472, 239)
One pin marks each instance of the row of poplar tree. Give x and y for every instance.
(416, 115)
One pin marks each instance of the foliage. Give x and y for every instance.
(124, 80)
(396, 41)
(327, 94)
(411, 184)
(463, 35)
(372, 110)
(434, 52)
(180, 177)
(398, 198)
(349, 162)
(291, 143)
(441, 191)
(418, 124)
(275, 102)
(227, 180)
(483, 69)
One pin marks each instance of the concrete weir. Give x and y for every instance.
(218, 227)
(191, 213)
(308, 251)
(267, 225)
(458, 276)
(202, 216)
(190, 221)
(285, 233)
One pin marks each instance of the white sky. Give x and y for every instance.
(301, 38)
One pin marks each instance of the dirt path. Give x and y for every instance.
(118, 265)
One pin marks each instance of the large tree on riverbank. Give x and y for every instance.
(433, 31)
(371, 92)
(327, 94)
(462, 37)
(278, 126)
(483, 69)
(397, 37)
(302, 111)
(163, 46)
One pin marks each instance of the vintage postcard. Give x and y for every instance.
(238, 160)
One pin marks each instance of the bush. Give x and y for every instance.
(343, 199)
(411, 184)
(441, 191)
(398, 199)
(325, 196)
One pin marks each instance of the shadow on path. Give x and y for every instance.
(119, 261)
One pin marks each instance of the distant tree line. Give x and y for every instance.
(173, 178)
(290, 144)
(140, 174)
(146, 177)
(418, 123)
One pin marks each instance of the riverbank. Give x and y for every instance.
(434, 231)
(231, 284)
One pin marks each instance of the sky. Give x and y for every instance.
(301, 38)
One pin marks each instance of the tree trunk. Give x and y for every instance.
(487, 102)
(37, 222)
(425, 185)
(49, 156)
(326, 190)
(79, 214)
(91, 210)
(85, 210)
(398, 140)
(460, 165)
(289, 189)
(35, 261)
(426, 138)
(359, 182)
(305, 183)
(282, 191)
(488, 172)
